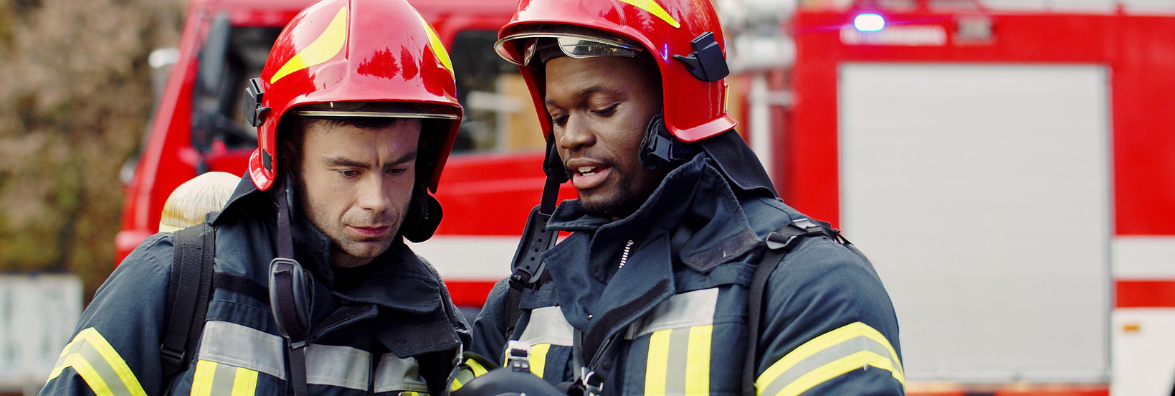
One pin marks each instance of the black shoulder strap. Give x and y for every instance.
(188, 293)
(779, 242)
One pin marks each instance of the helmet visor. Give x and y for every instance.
(573, 41)
(378, 110)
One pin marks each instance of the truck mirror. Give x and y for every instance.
(212, 56)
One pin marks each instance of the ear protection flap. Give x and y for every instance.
(424, 216)
(660, 147)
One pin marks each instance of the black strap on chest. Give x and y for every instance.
(289, 296)
(779, 243)
(528, 270)
(188, 292)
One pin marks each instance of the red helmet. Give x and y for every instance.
(355, 58)
(683, 37)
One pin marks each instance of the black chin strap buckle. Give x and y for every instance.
(660, 147)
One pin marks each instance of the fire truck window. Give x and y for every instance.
(499, 115)
(216, 113)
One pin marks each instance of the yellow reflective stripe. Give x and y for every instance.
(538, 358)
(652, 7)
(320, 50)
(91, 376)
(836, 369)
(438, 48)
(115, 361)
(477, 368)
(70, 349)
(697, 365)
(657, 365)
(850, 343)
(90, 342)
(245, 382)
(202, 380)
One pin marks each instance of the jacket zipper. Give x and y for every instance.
(624, 256)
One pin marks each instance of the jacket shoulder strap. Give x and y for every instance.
(778, 242)
(189, 290)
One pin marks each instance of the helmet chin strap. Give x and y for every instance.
(289, 291)
(660, 147)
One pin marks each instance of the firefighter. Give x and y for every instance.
(191, 201)
(653, 292)
(314, 290)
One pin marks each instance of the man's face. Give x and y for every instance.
(357, 184)
(599, 110)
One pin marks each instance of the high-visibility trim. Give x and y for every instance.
(697, 364)
(245, 382)
(438, 48)
(538, 358)
(204, 378)
(322, 49)
(652, 7)
(478, 369)
(679, 361)
(690, 309)
(92, 357)
(212, 378)
(242, 346)
(657, 365)
(91, 376)
(396, 374)
(547, 326)
(338, 366)
(828, 356)
(472, 370)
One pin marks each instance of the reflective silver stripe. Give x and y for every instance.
(690, 309)
(396, 374)
(337, 366)
(826, 359)
(242, 346)
(99, 364)
(547, 326)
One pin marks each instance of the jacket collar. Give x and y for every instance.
(695, 199)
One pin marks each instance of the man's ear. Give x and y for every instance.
(290, 155)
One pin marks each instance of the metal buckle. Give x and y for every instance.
(518, 355)
(593, 383)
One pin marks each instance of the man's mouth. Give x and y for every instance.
(371, 231)
(585, 177)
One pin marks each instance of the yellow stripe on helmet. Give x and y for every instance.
(438, 47)
(322, 49)
(652, 7)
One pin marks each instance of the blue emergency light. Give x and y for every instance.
(869, 22)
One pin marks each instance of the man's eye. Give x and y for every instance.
(607, 111)
(559, 120)
(349, 173)
(397, 171)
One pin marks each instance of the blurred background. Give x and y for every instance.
(1006, 164)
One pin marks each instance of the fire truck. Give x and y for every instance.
(1009, 171)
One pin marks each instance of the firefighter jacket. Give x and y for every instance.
(666, 288)
(387, 327)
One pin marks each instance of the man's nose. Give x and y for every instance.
(373, 193)
(577, 133)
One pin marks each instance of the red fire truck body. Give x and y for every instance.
(1010, 174)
